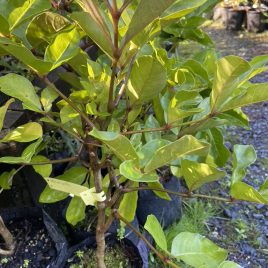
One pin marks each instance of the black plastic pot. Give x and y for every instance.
(76, 236)
(90, 243)
(167, 212)
(31, 214)
(235, 19)
(255, 21)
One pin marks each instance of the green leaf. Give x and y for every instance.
(26, 156)
(229, 264)
(130, 170)
(230, 74)
(20, 88)
(75, 175)
(117, 143)
(187, 145)
(148, 78)
(23, 54)
(146, 12)
(43, 170)
(25, 11)
(219, 151)
(264, 189)
(243, 156)
(147, 151)
(128, 205)
(25, 133)
(94, 31)
(6, 179)
(154, 228)
(48, 95)
(243, 191)
(3, 111)
(76, 211)
(44, 27)
(253, 94)
(4, 27)
(197, 174)
(151, 122)
(196, 250)
(178, 10)
(64, 47)
(67, 113)
(158, 185)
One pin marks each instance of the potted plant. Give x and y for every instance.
(256, 17)
(136, 113)
(236, 15)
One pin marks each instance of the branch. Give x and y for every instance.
(58, 161)
(185, 195)
(125, 5)
(51, 85)
(124, 86)
(163, 258)
(8, 238)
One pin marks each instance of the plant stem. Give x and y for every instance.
(125, 5)
(185, 195)
(58, 161)
(163, 258)
(116, 53)
(84, 116)
(100, 230)
(124, 86)
(8, 238)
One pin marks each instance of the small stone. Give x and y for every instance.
(266, 214)
(259, 206)
(258, 216)
(266, 223)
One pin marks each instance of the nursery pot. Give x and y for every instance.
(111, 241)
(235, 19)
(255, 21)
(167, 212)
(38, 239)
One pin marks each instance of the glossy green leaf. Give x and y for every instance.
(151, 122)
(128, 205)
(26, 156)
(94, 31)
(25, 11)
(75, 211)
(219, 151)
(148, 78)
(64, 47)
(254, 93)
(67, 113)
(23, 54)
(230, 74)
(229, 264)
(147, 151)
(24, 133)
(196, 250)
(117, 143)
(43, 28)
(48, 95)
(243, 191)
(264, 189)
(178, 10)
(161, 194)
(154, 228)
(6, 179)
(187, 145)
(43, 170)
(243, 156)
(20, 88)
(75, 175)
(197, 174)
(4, 27)
(146, 12)
(130, 170)
(3, 111)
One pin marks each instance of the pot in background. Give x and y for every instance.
(235, 18)
(255, 21)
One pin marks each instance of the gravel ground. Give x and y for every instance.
(243, 227)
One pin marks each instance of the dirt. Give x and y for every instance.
(34, 246)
